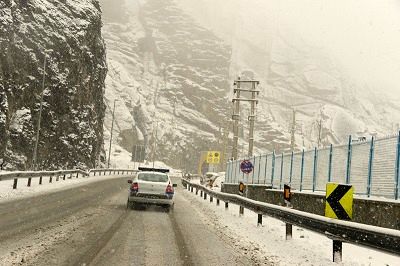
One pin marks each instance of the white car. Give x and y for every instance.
(151, 186)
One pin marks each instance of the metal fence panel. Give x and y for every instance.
(277, 171)
(339, 164)
(286, 169)
(308, 170)
(359, 167)
(322, 169)
(383, 170)
(296, 172)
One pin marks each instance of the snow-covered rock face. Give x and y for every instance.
(169, 77)
(73, 107)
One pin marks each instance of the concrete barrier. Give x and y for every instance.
(383, 213)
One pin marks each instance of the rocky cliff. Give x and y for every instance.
(69, 32)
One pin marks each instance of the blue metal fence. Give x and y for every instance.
(372, 167)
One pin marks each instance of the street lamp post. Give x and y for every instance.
(34, 159)
(111, 133)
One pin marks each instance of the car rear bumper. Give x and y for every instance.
(152, 199)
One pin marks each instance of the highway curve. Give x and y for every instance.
(90, 225)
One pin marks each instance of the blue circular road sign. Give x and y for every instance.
(246, 166)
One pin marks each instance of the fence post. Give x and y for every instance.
(273, 169)
(265, 171)
(397, 177)
(348, 161)
(254, 166)
(64, 177)
(259, 169)
(371, 159)
(280, 181)
(40, 180)
(29, 181)
(315, 169)
(291, 168)
(330, 164)
(15, 183)
(234, 171)
(302, 170)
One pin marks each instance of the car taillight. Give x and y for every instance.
(135, 187)
(169, 189)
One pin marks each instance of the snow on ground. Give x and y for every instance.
(268, 240)
(8, 193)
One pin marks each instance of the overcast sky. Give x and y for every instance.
(362, 36)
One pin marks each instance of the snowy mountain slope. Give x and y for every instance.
(169, 77)
(292, 56)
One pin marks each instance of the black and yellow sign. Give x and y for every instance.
(241, 188)
(213, 157)
(339, 201)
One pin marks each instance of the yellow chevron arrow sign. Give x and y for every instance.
(339, 201)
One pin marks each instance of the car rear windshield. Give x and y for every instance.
(153, 177)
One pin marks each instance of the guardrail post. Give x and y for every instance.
(29, 181)
(58, 177)
(315, 169)
(330, 164)
(205, 195)
(302, 170)
(226, 205)
(51, 179)
(217, 202)
(273, 168)
(40, 180)
(191, 189)
(337, 251)
(241, 210)
(64, 177)
(289, 231)
(397, 177)
(211, 198)
(77, 175)
(280, 181)
(70, 176)
(94, 173)
(291, 169)
(15, 183)
(197, 191)
(259, 219)
(370, 163)
(348, 161)
(201, 193)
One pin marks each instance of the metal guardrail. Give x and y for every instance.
(58, 174)
(383, 239)
(111, 171)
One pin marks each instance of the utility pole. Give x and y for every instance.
(236, 100)
(34, 159)
(111, 134)
(235, 118)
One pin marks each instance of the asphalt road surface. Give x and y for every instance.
(90, 225)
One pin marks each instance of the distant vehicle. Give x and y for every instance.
(151, 186)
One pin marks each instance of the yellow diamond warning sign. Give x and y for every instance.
(213, 157)
(339, 201)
